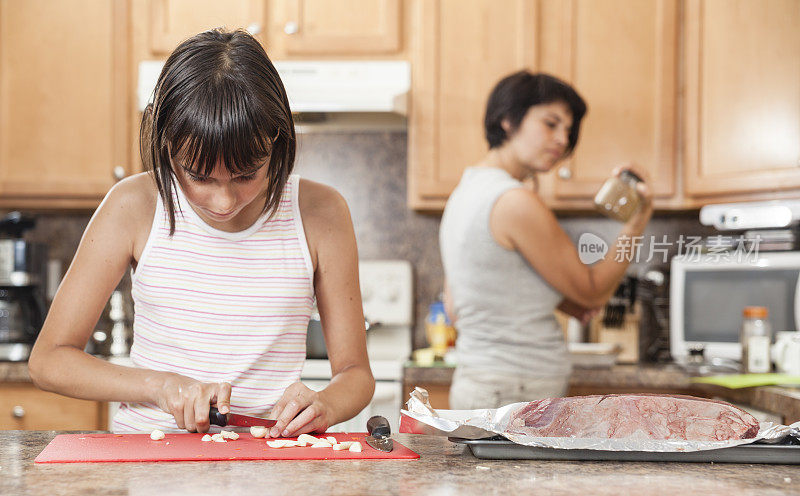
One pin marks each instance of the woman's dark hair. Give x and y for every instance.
(515, 94)
(218, 98)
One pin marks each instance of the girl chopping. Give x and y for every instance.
(228, 251)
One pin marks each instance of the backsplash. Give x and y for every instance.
(369, 170)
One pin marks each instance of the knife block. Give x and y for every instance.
(626, 336)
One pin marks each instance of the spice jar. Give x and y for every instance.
(618, 197)
(756, 337)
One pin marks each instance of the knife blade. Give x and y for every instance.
(225, 419)
(379, 434)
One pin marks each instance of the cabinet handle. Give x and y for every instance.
(18, 412)
(254, 28)
(290, 27)
(565, 173)
(119, 173)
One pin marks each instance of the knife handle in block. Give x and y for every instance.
(378, 426)
(216, 418)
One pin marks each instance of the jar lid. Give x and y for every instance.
(755, 312)
(629, 174)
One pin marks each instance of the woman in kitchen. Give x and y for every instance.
(228, 251)
(508, 264)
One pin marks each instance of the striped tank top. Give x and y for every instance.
(222, 307)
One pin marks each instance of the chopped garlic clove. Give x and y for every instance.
(355, 447)
(258, 431)
(305, 438)
(301, 444)
(321, 444)
(290, 444)
(340, 447)
(276, 444)
(156, 435)
(218, 439)
(346, 444)
(332, 440)
(206, 438)
(229, 435)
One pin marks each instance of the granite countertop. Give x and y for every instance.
(14, 372)
(444, 468)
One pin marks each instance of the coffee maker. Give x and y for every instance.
(22, 306)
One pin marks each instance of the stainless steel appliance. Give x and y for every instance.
(21, 303)
(709, 291)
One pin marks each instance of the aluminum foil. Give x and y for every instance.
(420, 418)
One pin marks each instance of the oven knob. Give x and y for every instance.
(18, 412)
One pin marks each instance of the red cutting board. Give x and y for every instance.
(75, 448)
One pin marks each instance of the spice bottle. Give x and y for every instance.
(618, 197)
(756, 337)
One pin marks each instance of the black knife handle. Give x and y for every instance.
(378, 426)
(216, 418)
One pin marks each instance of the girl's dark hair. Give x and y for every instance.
(515, 94)
(218, 98)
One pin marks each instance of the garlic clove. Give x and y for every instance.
(157, 435)
(355, 447)
(305, 438)
(206, 438)
(332, 440)
(276, 444)
(321, 444)
(258, 431)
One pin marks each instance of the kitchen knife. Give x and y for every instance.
(234, 419)
(379, 434)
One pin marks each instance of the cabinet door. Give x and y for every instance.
(24, 407)
(63, 95)
(621, 56)
(742, 96)
(342, 27)
(460, 50)
(172, 21)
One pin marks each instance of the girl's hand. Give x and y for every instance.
(189, 400)
(300, 410)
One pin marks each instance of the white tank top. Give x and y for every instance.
(218, 306)
(504, 307)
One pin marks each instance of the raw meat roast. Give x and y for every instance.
(644, 416)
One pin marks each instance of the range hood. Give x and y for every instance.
(365, 92)
(772, 214)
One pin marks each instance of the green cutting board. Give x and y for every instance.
(738, 381)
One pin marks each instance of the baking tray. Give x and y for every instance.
(498, 448)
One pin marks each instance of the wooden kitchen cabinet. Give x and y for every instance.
(64, 89)
(172, 21)
(742, 117)
(459, 50)
(287, 28)
(621, 56)
(25, 407)
(717, 121)
(341, 28)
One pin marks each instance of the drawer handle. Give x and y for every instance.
(18, 412)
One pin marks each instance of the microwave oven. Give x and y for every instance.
(708, 293)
